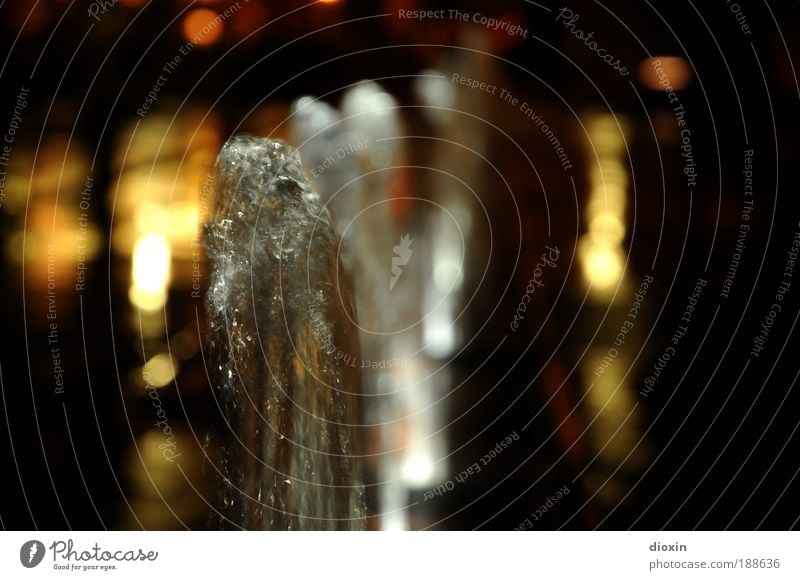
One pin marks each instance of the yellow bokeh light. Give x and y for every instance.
(600, 250)
(178, 223)
(602, 264)
(203, 27)
(150, 271)
(609, 172)
(160, 370)
(607, 228)
(606, 199)
(606, 134)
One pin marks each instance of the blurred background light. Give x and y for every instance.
(150, 272)
(602, 264)
(203, 27)
(676, 72)
(600, 249)
(160, 369)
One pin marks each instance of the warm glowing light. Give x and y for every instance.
(150, 271)
(250, 18)
(159, 371)
(602, 264)
(607, 228)
(609, 173)
(203, 27)
(602, 257)
(418, 469)
(178, 223)
(661, 72)
(600, 251)
(606, 134)
(605, 199)
(447, 276)
(616, 429)
(438, 328)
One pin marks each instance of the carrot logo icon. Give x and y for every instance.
(402, 254)
(31, 553)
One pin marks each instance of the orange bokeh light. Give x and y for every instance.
(661, 71)
(203, 27)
